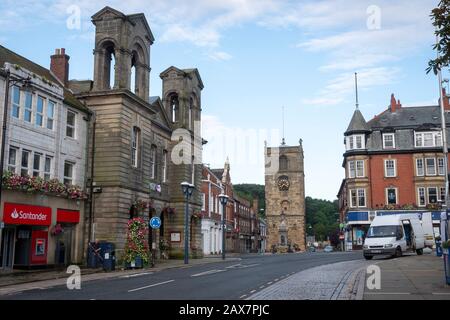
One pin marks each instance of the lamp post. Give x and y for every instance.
(26, 84)
(188, 189)
(223, 198)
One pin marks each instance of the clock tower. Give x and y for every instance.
(285, 197)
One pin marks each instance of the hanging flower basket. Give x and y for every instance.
(57, 229)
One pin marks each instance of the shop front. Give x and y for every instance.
(358, 223)
(39, 235)
(25, 235)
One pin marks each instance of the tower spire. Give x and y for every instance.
(283, 142)
(356, 90)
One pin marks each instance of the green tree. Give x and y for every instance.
(441, 21)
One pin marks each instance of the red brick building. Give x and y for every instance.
(393, 163)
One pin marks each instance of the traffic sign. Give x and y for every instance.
(155, 223)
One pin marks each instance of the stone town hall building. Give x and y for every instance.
(131, 136)
(285, 197)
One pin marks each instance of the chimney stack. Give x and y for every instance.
(59, 65)
(395, 104)
(446, 100)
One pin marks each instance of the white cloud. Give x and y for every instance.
(220, 56)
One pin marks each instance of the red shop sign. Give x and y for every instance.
(68, 216)
(26, 214)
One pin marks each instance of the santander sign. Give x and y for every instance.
(14, 213)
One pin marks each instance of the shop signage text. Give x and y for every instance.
(14, 213)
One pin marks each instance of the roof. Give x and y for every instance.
(218, 173)
(185, 72)
(153, 99)
(7, 55)
(408, 117)
(357, 123)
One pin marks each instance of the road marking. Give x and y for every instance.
(233, 266)
(253, 291)
(207, 272)
(440, 293)
(269, 283)
(261, 287)
(250, 265)
(393, 293)
(243, 296)
(136, 275)
(276, 279)
(92, 299)
(152, 285)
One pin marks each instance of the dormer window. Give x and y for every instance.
(388, 141)
(428, 139)
(355, 142)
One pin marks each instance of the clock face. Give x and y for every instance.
(283, 183)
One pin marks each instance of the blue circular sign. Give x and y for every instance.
(155, 223)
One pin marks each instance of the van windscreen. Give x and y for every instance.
(384, 231)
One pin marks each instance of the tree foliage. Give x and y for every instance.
(322, 216)
(251, 191)
(441, 21)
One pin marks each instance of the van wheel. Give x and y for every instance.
(368, 257)
(398, 252)
(419, 252)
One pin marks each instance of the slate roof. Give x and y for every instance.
(218, 173)
(9, 56)
(357, 124)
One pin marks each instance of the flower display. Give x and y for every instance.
(13, 181)
(140, 205)
(136, 244)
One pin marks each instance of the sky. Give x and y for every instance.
(256, 58)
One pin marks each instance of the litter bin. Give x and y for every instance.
(447, 266)
(93, 260)
(108, 256)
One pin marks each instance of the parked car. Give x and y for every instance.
(311, 249)
(393, 235)
(328, 249)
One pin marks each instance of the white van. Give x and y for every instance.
(427, 225)
(393, 235)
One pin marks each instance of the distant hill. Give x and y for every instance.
(251, 191)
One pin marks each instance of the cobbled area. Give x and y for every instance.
(337, 281)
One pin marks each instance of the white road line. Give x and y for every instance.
(152, 285)
(207, 272)
(262, 287)
(393, 293)
(276, 279)
(253, 291)
(250, 265)
(269, 283)
(243, 296)
(440, 293)
(233, 266)
(136, 275)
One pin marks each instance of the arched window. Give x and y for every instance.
(109, 66)
(174, 107)
(284, 163)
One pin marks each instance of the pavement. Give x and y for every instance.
(411, 278)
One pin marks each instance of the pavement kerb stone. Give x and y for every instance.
(98, 275)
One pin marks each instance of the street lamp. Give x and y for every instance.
(26, 84)
(223, 198)
(188, 189)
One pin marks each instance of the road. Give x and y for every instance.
(223, 280)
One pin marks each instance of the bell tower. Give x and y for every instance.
(285, 197)
(122, 50)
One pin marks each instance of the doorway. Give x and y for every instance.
(63, 254)
(7, 249)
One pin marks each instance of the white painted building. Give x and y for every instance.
(212, 212)
(46, 137)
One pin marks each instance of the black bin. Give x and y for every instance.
(108, 256)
